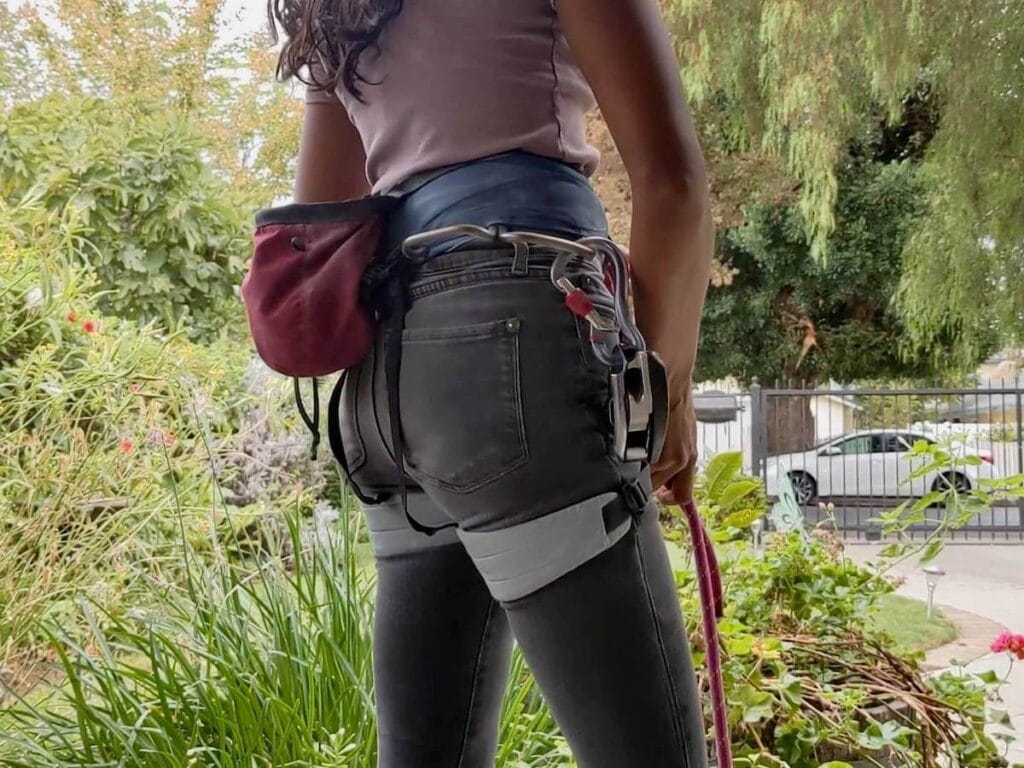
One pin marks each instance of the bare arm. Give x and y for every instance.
(332, 162)
(625, 53)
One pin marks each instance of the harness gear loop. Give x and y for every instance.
(398, 304)
(338, 445)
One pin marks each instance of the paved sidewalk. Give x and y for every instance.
(983, 592)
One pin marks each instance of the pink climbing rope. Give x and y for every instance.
(709, 581)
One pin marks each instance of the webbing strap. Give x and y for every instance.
(398, 304)
(338, 446)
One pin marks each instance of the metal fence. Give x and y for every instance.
(847, 452)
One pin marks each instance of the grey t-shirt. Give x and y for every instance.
(459, 80)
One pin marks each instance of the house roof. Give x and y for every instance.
(846, 401)
(981, 403)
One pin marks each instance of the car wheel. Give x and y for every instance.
(959, 482)
(804, 487)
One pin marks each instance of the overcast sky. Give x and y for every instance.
(241, 16)
(245, 15)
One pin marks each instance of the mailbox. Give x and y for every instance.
(715, 407)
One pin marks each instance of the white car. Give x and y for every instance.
(870, 463)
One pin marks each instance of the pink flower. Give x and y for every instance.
(1007, 642)
(135, 387)
(71, 316)
(127, 446)
(159, 437)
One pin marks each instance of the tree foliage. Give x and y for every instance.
(182, 58)
(166, 237)
(784, 314)
(153, 133)
(802, 80)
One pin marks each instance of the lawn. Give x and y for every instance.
(905, 620)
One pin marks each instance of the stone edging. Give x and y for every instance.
(972, 642)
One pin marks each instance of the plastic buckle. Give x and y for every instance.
(632, 407)
(635, 497)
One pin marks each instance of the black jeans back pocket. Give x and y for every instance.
(462, 414)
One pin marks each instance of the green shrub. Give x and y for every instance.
(99, 446)
(166, 237)
(810, 679)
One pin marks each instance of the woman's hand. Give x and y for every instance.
(625, 52)
(673, 472)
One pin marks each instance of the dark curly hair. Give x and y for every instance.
(334, 32)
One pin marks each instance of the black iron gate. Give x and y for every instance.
(847, 451)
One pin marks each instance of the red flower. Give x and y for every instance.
(90, 326)
(71, 316)
(1007, 642)
(127, 446)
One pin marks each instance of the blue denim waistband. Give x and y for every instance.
(515, 190)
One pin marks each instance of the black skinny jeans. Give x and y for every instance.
(504, 415)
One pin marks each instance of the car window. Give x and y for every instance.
(911, 439)
(895, 444)
(857, 445)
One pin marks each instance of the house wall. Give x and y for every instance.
(831, 417)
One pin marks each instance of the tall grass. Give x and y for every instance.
(267, 666)
(240, 668)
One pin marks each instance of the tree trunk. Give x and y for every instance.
(790, 423)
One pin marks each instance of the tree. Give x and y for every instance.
(180, 59)
(165, 235)
(801, 80)
(152, 134)
(785, 316)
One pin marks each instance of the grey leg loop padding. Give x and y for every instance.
(391, 534)
(518, 561)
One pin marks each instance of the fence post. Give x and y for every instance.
(757, 429)
(1020, 435)
(1020, 454)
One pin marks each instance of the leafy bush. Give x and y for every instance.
(947, 507)
(809, 677)
(166, 238)
(810, 680)
(99, 448)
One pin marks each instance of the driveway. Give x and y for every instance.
(988, 582)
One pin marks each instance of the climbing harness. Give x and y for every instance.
(593, 276)
(516, 561)
(637, 377)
